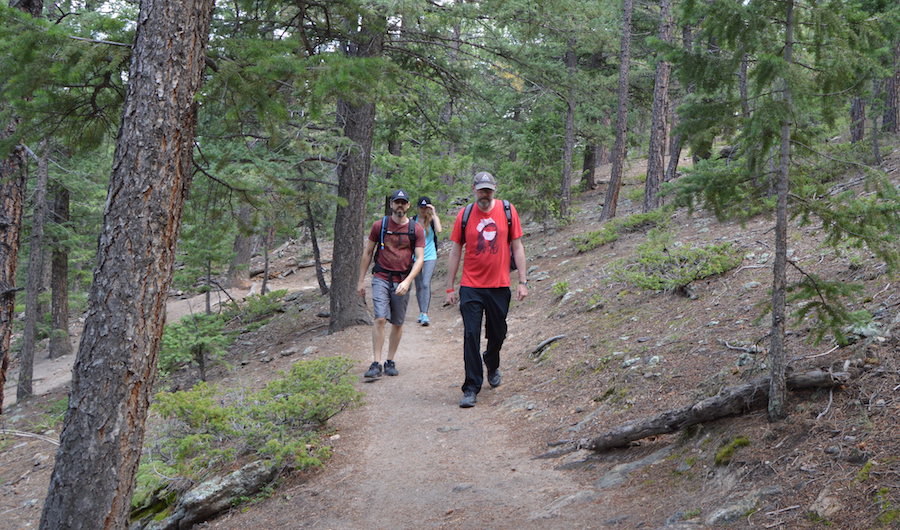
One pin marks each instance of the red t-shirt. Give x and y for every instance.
(486, 251)
(397, 253)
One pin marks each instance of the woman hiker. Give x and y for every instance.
(431, 224)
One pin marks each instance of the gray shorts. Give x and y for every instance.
(387, 303)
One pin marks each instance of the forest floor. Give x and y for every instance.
(411, 458)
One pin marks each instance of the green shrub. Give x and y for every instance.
(659, 265)
(259, 306)
(560, 289)
(724, 454)
(195, 339)
(612, 229)
(207, 428)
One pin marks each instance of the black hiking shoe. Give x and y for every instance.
(390, 368)
(468, 400)
(374, 371)
(494, 378)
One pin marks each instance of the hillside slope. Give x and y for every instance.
(411, 458)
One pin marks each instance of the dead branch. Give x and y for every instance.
(729, 402)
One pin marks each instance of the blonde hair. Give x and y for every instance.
(425, 219)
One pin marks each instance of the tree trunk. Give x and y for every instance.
(589, 166)
(268, 241)
(687, 41)
(618, 153)
(13, 173)
(35, 282)
(115, 368)
(60, 342)
(857, 120)
(656, 152)
(876, 150)
(238, 269)
(728, 402)
(347, 307)
(891, 120)
(569, 141)
(317, 256)
(777, 387)
(742, 85)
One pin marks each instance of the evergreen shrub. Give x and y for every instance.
(660, 265)
(632, 223)
(206, 428)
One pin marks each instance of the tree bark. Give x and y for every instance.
(35, 282)
(656, 152)
(687, 41)
(618, 153)
(589, 166)
(729, 402)
(238, 270)
(13, 176)
(60, 342)
(569, 141)
(857, 120)
(777, 387)
(317, 255)
(115, 367)
(347, 307)
(891, 120)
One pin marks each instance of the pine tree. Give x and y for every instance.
(116, 363)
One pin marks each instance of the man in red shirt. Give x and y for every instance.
(484, 288)
(392, 276)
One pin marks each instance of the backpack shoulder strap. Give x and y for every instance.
(384, 225)
(508, 211)
(465, 220)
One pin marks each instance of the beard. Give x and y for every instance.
(484, 204)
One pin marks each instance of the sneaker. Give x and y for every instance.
(390, 368)
(468, 400)
(419, 321)
(424, 319)
(494, 378)
(374, 371)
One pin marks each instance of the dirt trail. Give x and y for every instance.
(411, 458)
(50, 374)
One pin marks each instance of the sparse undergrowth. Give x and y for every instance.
(662, 264)
(207, 428)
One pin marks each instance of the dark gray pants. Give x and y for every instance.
(493, 305)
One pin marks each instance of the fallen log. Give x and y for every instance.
(728, 402)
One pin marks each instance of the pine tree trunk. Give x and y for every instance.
(238, 269)
(891, 120)
(12, 197)
(347, 307)
(857, 120)
(589, 166)
(60, 341)
(777, 409)
(317, 256)
(876, 96)
(742, 80)
(687, 41)
(35, 281)
(569, 141)
(656, 152)
(115, 367)
(618, 153)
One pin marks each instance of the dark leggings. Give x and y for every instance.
(493, 303)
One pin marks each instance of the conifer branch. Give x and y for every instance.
(843, 161)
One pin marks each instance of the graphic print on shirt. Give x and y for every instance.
(487, 236)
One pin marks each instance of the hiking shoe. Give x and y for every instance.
(374, 371)
(390, 368)
(424, 319)
(468, 400)
(494, 378)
